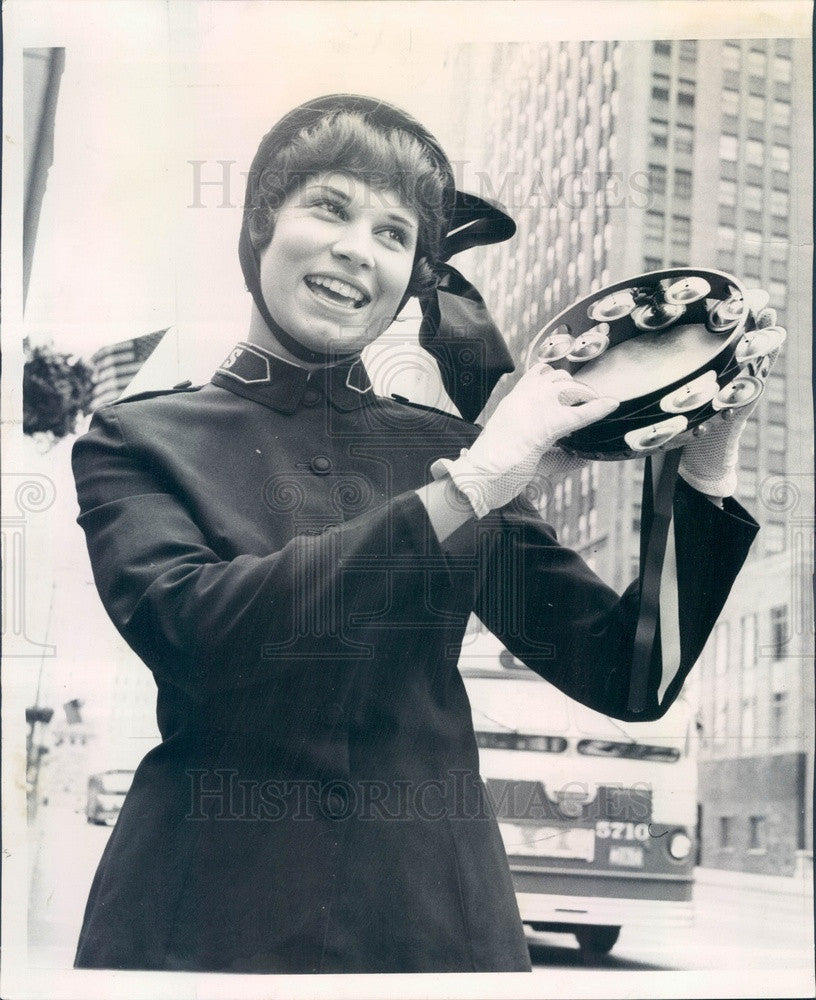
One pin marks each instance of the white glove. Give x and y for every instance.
(527, 422)
(710, 460)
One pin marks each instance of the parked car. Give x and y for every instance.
(106, 793)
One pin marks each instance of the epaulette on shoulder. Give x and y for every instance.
(430, 409)
(153, 393)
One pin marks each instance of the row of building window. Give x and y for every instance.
(717, 656)
(654, 228)
(757, 833)
(754, 198)
(683, 135)
(687, 48)
(682, 183)
(753, 153)
(685, 90)
(749, 743)
(756, 108)
(756, 62)
(779, 628)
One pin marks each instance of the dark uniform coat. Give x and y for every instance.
(315, 804)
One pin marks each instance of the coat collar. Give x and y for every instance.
(255, 373)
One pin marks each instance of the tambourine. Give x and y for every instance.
(674, 346)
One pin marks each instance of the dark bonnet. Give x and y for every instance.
(456, 329)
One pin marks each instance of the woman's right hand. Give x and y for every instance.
(543, 407)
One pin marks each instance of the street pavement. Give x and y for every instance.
(738, 927)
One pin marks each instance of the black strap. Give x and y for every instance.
(656, 513)
(458, 331)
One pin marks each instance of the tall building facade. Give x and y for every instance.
(618, 158)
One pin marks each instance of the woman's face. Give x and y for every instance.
(339, 261)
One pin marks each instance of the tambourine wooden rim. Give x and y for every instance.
(688, 335)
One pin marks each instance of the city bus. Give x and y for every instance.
(598, 816)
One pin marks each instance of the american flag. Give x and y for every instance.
(116, 364)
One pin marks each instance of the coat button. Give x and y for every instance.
(336, 803)
(311, 397)
(321, 465)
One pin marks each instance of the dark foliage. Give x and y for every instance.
(56, 390)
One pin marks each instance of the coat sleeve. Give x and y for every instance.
(206, 624)
(553, 613)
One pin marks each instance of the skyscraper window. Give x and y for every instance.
(778, 292)
(757, 836)
(659, 133)
(748, 664)
(660, 87)
(683, 138)
(776, 437)
(729, 148)
(682, 183)
(779, 202)
(782, 69)
(681, 230)
(779, 630)
(657, 178)
(731, 55)
(748, 484)
(730, 102)
(780, 158)
(752, 241)
(756, 108)
(720, 649)
(782, 113)
(757, 63)
(774, 532)
(752, 266)
(726, 237)
(755, 152)
(779, 702)
(688, 49)
(654, 227)
(752, 197)
(727, 193)
(775, 388)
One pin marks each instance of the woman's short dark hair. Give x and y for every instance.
(390, 159)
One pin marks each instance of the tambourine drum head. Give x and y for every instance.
(650, 361)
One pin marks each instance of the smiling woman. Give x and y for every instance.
(338, 264)
(296, 560)
(387, 190)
